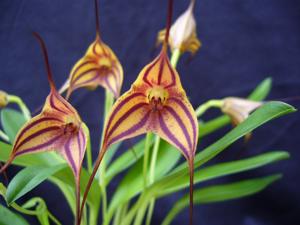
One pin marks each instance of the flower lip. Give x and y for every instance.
(105, 63)
(157, 97)
(70, 128)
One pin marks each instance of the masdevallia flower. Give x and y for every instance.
(239, 109)
(156, 102)
(183, 34)
(57, 128)
(98, 67)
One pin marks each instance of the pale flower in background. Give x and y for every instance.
(183, 35)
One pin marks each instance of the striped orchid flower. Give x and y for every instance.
(156, 103)
(57, 128)
(98, 67)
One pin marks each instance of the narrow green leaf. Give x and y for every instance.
(262, 90)
(223, 169)
(67, 191)
(220, 193)
(27, 179)
(111, 152)
(9, 218)
(66, 176)
(124, 161)
(12, 121)
(45, 158)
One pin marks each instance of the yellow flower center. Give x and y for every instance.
(71, 125)
(105, 62)
(157, 97)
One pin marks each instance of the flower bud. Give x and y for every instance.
(183, 34)
(3, 99)
(239, 109)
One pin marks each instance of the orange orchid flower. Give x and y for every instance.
(98, 67)
(156, 103)
(57, 128)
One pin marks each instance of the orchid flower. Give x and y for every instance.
(98, 67)
(239, 109)
(183, 35)
(156, 102)
(57, 128)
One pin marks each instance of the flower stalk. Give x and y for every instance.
(17, 100)
(214, 103)
(109, 100)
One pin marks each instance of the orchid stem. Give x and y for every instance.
(216, 103)
(175, 57)
(17, 100)
(109, 100)
(152, 176)
(146, 158)
(35, 212)
(117, 216)
(53, 218)
(140, 215)
(154, 159)
(150, 211)
(89, 158)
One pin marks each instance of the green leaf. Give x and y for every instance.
(66, 176)
(262, 115)
(220, 193)
(44, 158)
(126, 160)
(132, 183)
(111, 152)
(223, 169)
(9, 218)
(29, 178)
(12, 121)
(262, 90)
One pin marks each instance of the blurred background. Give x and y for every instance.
(243, 43)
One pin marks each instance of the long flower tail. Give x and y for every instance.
(191, 171)
(97, 18)
(77, 218)
(168, 25)
(7, 164)
(89, 184)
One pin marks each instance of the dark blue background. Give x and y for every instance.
(244, 41)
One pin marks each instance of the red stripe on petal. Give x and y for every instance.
(171, 137)
(36, 134)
